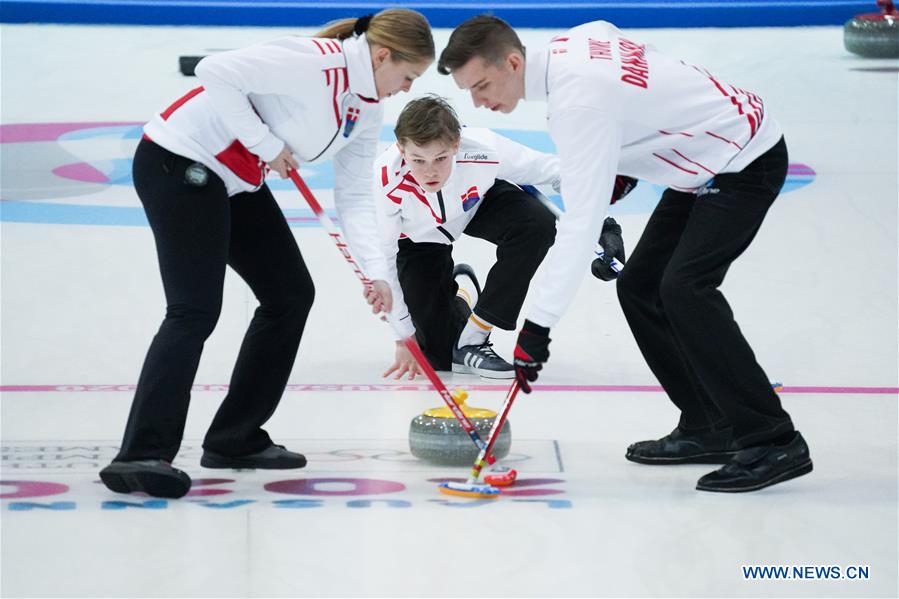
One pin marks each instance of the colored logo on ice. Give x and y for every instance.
(798, 175)
(80, 174)
(470, 198)
(352, 115)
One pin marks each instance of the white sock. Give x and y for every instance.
(468, 294)
(475, 331)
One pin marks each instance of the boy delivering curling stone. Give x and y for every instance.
(437, 182)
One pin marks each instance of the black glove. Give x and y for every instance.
(623, 186)
(531, 351)
(612, 247)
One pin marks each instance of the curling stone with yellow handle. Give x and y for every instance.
(437, 437)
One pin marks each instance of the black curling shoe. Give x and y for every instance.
(758, 467)
(274, 457)
(680, 447)
(157, 478)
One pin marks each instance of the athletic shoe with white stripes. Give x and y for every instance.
(481, 360)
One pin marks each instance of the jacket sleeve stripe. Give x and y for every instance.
(754, 119)
(180, 102)
(723, 139)
(711, 172)
(334, 98)
(675, 165)
(335, 87)
(677, 133)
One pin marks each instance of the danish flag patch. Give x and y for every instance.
(352, 115)
(470, 198)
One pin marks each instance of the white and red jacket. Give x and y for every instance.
(408, 211)
(617, 106)
(316, 95)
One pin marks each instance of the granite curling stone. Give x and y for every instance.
(436, 436)
(874, 35)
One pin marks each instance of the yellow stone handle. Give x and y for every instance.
(459, 395)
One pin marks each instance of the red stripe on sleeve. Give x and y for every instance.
(724, 139)
(678, 133)
(180, 102)
(675, 165)
(322, 50)
(334, 98)
(718, 85)
(752, 126)
(711, 172)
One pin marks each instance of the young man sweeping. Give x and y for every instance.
(615, 105)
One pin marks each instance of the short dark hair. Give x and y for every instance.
(484, 36)
(426, 119)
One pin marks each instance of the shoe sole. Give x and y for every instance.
(135, 480)
(702, 458)
(486, 374)
(792, 473)
(467, 270)
(240, 464)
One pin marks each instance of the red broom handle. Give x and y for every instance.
(485, 457)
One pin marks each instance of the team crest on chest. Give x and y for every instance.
(352, 115)
(470, 198)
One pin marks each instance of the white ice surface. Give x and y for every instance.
(816, 294)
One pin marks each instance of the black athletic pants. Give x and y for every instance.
(198, 231)
(681, 321)
(522, 229)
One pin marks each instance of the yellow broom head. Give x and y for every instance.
(470, 490)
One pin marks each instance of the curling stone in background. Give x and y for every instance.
(437, 437)
(875, 35)
(188, 65)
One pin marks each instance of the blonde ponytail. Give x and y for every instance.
(339, 30)
(404, 32)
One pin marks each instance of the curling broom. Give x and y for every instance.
(486, 490)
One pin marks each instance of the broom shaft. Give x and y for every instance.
(485, 455)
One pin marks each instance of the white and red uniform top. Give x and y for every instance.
(316, 95)
(617, 106)
(408, 211)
